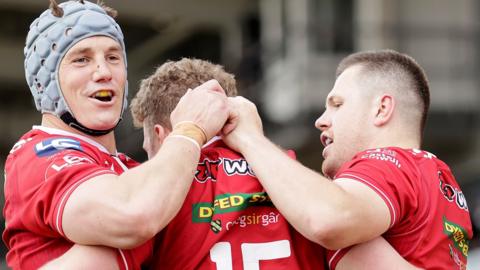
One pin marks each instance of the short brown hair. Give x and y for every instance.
(160, 92)
(400, 67)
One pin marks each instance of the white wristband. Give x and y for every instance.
(186, 138)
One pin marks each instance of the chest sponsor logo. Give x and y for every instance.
(52, 146)
(452, 194)
(227, 203)
(207, 170)
(254, 219)
(458, 235)
(237, 166)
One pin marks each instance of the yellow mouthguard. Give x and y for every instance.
(103, 93)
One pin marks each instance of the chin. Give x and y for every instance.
(99, 124)
(330, 167)
(110, 125)
(327, 170)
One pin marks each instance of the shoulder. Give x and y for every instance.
(377, 158)
(388, 163)
(38, 149)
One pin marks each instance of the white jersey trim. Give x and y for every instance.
(212, 140)
(123, 259)
(351, 177)
(333, 258)
(125, 168)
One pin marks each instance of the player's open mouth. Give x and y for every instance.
(103, 95)
(326, 140)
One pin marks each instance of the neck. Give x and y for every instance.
(402, 139)
(107, 141)
(400, 144)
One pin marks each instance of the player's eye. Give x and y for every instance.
(80, 60)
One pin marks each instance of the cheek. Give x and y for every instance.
(121, 74)
(74, 82)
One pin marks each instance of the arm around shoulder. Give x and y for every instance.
(331, 214)
(372, 255)
(81, 257)
(125, 211)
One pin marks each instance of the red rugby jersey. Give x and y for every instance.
(42, 170)
(229, 223)
(430, 222)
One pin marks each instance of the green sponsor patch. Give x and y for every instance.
(458, 235)
(226, 203)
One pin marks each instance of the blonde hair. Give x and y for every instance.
(160, 92)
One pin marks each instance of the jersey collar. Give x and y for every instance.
(212, 140)
(55, 131)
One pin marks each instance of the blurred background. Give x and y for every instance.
(284, 55)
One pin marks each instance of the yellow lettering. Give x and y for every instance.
(449, 227)
(204, 212)
(465, 250)
(458, 236)
(236, 200)
(223, 203)
(255, 198)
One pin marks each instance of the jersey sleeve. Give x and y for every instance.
(389, 175)
(334, 257)
(137, 258)
(47, 185)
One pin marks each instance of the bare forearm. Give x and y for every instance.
(372, 255)
(125, 211)
(162, 183)
(314, 205)
(295, 190)
(85, 257)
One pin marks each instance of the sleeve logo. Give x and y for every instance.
(458, 235)
(452, 194)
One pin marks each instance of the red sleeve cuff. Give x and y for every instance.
(334, 256)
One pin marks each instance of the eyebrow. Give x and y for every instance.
(79, 50)
(83, 50)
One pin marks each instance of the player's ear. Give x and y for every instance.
(160, 133)
(385, 106)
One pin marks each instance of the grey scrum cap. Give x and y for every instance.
(49, 39)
